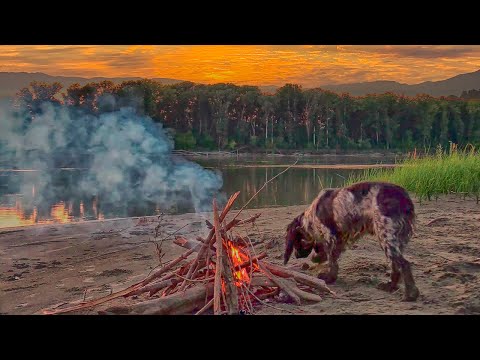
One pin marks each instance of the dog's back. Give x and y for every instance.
(352, 210)
(360, 205)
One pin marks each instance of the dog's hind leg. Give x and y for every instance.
(411, 290)
(395, 276)
(400, 267)
(392, 239)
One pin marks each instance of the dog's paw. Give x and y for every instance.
(327, 277)
(387, 286)
(411, 295)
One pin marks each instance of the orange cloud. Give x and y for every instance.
(308, 65)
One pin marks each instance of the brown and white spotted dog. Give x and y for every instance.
(341, 216)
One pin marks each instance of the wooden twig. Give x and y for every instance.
(217, 289)
(267, 304)
(436, 220)
(123, 292)
(210, 240)
(231, 296)
(268, 294)
(179, 303)
(250, 261)
(281, 284)
(303, 294)
(260, 280)
(248, 202)
(188, 244)
(207, 306)
(298, 277)
(154, 287)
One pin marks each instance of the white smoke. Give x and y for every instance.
(129, 156)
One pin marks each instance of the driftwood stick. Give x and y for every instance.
(207, 306)
(261, 281)
(154, 287)
(210, 240)
(248, 202)
(188, 244)
(124, 292)
(167, 267)
(266, 304)
(266, 295)
(217, 289)
(231, 295)
(236, 222)
(303, 294)
(176, 304)
(436, 220)
(253, 259)
(249, 220)
(298, 277)
(282, 284)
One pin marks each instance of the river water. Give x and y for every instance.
(22, 204)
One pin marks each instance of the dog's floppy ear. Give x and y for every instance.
(293, 235)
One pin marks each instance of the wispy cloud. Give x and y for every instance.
(308, 65)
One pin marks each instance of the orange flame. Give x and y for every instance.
(238, 258)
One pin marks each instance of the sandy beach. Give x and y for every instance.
(48, 266)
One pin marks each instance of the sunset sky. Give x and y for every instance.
(307, 65)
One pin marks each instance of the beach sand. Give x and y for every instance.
(50, 265)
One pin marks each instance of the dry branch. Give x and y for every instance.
(281, 284)
(89, 304)
(217, 290)
(231, 295)
(303, 294)
(210, 240)
(298, 277)
(207, 306)
(188, 244)
(179, 303)
(154, 288)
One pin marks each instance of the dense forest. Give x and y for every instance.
(226, 116)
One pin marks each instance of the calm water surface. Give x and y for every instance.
(22, 204)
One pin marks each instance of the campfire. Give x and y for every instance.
(226, 274)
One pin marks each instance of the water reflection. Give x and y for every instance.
(23, 200)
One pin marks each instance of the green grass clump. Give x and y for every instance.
(451, 171)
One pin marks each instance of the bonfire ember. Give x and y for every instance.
(225, 274)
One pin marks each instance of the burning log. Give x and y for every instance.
(217, 290)
(224, 274)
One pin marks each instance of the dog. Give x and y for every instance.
(339, 217)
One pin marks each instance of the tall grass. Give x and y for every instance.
(452, 171)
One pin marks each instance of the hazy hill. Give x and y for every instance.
(11, 82)
(452, 86)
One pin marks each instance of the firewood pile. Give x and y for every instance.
(225, 274)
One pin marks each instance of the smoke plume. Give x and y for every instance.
(127, 157)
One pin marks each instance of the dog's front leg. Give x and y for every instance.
(334, 247)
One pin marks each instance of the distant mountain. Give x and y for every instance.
(452, 86)
(12, 82)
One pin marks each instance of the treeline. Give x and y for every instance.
(471, 95)
(226, 116)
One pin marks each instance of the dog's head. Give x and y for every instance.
(297, 239)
